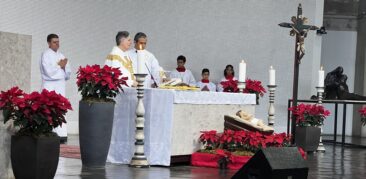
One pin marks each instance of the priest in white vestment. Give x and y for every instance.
(205, 84)
(119, 57)
(182, 73)
(55, 71)
(151, 65)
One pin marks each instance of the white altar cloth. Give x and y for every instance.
(159, 111)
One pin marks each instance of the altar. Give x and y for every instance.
(173, 121)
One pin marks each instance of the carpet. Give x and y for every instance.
(70, 151)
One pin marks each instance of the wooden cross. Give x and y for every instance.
(299, 28)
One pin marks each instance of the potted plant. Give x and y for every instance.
(363, 115)
(309, 118)
(254, 86)
(232, 149)
(98, 86)
(34, 147)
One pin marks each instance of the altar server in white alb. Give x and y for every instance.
(182, 73)
(205, 84)
(151, 65)
(119, 57)
(55, 71)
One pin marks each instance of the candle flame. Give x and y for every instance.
(242, 61)
(271, 67)
(321, 67)
(140, 47)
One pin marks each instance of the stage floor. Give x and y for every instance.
(336, 163)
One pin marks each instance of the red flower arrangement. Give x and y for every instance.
(363, 115)
(242, 140)
(230, 86)
(309, 115)
(251, 86)
(96, 83)
(254, 86)
(35, 113)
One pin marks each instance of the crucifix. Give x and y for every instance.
(299, 28)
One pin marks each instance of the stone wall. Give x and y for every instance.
(15, 61)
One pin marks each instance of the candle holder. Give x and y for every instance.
(271, 109)
(320, 91)
(241, 86)
(139, 159)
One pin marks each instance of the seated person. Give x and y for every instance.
(182, 73)
(254, 121)
(228, 76)
(205, 84)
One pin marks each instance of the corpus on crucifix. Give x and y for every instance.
(299, 28)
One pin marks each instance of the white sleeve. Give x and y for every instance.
(50, 69)
(67, 71)
(155, 67)
(192, 81)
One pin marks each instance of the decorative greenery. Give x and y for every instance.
(309, 115)
(100, 84)
(35, 114)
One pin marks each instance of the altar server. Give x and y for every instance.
(151, 65)
(55, 71)
(182, 73)
(205, 84)
(119, 57)
(229, 75)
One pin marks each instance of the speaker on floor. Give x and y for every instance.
(274, 163)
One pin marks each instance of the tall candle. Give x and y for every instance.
(321, 77)
(272, 76)
(242, 71)
(141, 69)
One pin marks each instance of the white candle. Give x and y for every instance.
(141, 69)
(321, 77)
(242, 71)
(272, 76)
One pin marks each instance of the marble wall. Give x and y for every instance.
(15, 60)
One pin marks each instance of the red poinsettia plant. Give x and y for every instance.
(254, 86)
(239, 141)
(230, 86)
(100, 83)
(309, 115)
(363, 115)
(35, 114)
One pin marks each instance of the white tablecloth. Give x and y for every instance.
(158, 121)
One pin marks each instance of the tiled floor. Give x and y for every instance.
(336, 163)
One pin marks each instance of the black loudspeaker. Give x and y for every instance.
(275, 163)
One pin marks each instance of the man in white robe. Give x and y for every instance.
(151, 64)
(205, 84)
(119, 57)
(55, 71)
(182, 73)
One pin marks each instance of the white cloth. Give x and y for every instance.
(197, 97)
(187, 76)
(211, 86)
(158, 105)
(159, 108)
(120, 59)
(219, 86)
(54, 78)
(152, 66)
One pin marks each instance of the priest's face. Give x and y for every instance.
(126, 43)
(140, 44)
(206, 75)
(180, 63)
(54, 44)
